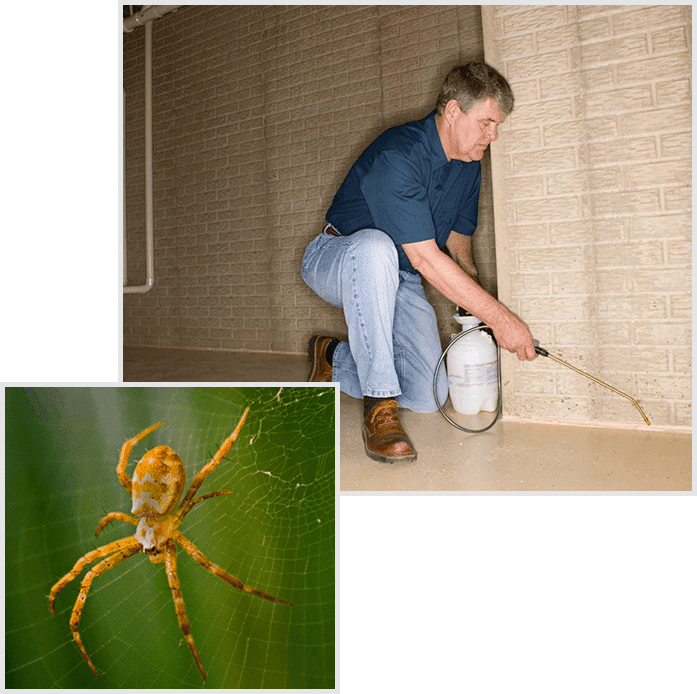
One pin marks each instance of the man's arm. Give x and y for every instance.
(454, 283)
(460, 249)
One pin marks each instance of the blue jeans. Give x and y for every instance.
(393, 345)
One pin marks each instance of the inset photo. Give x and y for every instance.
(170, 537)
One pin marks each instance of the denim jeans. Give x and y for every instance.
(393, 345)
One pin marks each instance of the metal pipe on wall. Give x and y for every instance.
(149, 217)
(144, 18)
(123, 190)
(146, 15)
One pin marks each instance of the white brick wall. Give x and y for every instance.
(592, 193)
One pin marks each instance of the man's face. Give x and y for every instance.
(472, 132)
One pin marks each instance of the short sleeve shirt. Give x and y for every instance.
(404, 185)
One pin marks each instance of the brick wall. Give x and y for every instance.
(592, 199)
(259, 111)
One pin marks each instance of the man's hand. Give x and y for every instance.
(513, 335)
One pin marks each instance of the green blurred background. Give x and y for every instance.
(275, 533)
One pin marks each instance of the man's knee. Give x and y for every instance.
(376, 247)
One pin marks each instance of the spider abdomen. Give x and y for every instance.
(158, 482)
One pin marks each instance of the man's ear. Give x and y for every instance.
(452, 109)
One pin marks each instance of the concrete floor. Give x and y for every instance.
(512, 456)
(163, 364)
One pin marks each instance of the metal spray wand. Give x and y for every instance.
(544, 353)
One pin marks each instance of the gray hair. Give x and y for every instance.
(473, 83)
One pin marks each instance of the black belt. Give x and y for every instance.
(329, 229)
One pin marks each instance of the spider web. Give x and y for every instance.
(275, 533)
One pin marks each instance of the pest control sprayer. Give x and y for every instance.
(474, 372)
(473, 369)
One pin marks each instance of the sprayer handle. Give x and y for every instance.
(540, 350)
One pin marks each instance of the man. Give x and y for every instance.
(413, 192)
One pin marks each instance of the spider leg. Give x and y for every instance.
(116, 515)
(130, 546)
(195, 553)
(185, 509)
(173, 580)
(83, 561)
(226, 447)
(126, 452)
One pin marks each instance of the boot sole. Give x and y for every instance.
(386, 458)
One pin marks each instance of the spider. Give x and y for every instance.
(158, 482)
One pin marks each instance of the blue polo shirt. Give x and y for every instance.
(404, 185)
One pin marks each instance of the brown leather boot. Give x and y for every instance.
(320, 369)
(383, 436)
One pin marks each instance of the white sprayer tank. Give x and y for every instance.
(472, 370)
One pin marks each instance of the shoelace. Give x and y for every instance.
(385, 415)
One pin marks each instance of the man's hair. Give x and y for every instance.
(473, 83)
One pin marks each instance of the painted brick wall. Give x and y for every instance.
(259, 111)
(592, 196)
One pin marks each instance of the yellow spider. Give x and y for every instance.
(158, 482)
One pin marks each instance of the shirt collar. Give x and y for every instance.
(434, 143)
